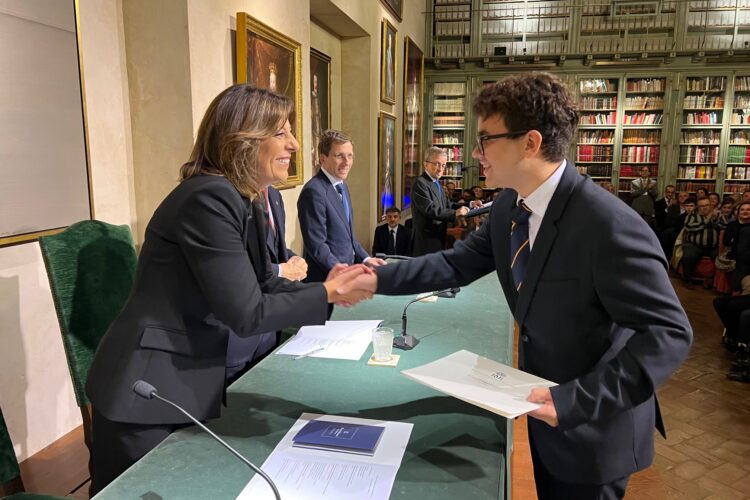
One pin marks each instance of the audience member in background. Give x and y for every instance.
(662, 205)
(724, 265)
(700, 239)
(478, 193)
(701, 193)
(642, 193)
(392, 238)
(725, 214)
(450, 188)
(731, 240)
(607, 186)
(745, 195)
(673, 223)
(715, 200)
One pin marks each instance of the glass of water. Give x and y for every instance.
(382, 344)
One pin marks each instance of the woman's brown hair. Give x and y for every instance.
(229, 137)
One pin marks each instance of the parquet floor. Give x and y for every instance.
(706, 455)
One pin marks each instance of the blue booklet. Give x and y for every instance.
(339, 436)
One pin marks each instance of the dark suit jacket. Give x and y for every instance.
(203, 271)
(431, 213)
(276, 241)
(383, 235)
(660, 212)
(327, 235)
(596, 314)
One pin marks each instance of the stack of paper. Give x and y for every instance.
(337, 339)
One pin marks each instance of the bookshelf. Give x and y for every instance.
(642, 122)
(451, 28)
(738, 152)
(595, 146)
(448, 126)
(518, 28)
(702, 120)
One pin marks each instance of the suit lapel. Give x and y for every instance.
(255, 238)
(500, 227)
(436, 193)
(544, 239)
(333, 199)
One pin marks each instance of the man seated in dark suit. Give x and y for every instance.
(662, 205)
(430, 207)
(589, 290)
(392, 238)
(325, 211)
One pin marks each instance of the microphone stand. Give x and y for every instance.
(408, 342)
(394, 257)
(148, 391)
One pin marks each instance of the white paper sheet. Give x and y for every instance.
(339, 340)
(301, 473)
(480, 381)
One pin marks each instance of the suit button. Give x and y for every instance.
(524, 338)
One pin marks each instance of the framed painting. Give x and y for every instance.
(412, 119)
(272, 60)
(395, 7)
(320, 100)
(386, 162)
(388, 63)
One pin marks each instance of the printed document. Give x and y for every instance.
(335, 339)
(480, 381)
(301, 473)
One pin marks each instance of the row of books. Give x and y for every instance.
(598, 119)
(452, 49)
(741, 118)
(701, 137)
(453, 13)
(453, 105)
(453, 28)
(742, 83)
(646, 85)
(556, 9)
(644, 102)
(714, 4)
(691, 186)
(598, 86)
(737, 187)
(702, 118)
(703, 101)
(635, 170)
(596, 136)
(712, 18)
(587, 152)
(453, 169)
(740, 137)
(450, 89)
(741, 101)
(643, 119)
(448, 138)
(457, 121)
(742, 173)
(595, 170)
(619, 23)
(705, 83)
(738, 154)
(696, 172)
(699, 154)
(641, 136)
(517, 23)
(640, 154)
(599, 102)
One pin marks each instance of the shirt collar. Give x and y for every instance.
(430, 176)
(539, 199)
(334, 180)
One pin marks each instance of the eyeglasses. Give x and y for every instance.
(481, 139)
(438, 164)
(342, 156)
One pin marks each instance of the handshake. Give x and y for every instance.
(349, 285)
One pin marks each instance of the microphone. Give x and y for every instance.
(409, 342)
(395, 257)
(148, 391)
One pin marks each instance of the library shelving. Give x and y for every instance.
(448, 126)
(451, 28)
(642, 122)
(700, 134)
(738, 152)
(595, 147)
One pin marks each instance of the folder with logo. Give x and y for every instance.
(339, 436)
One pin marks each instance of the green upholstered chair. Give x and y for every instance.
(90, 267)
(10, 474)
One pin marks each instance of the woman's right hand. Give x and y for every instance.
(341, 275)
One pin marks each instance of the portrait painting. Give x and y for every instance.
(388, 64)
(386, 162)
(269, 59)
(395, 7)
(320, 100)
(412, 118)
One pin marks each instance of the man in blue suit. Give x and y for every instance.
(325, 211)
(586, 281)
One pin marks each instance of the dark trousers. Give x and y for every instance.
(117, 446)
(548, 487)
(691, 255)
(729, 310)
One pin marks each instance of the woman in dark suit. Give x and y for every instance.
(203, 274)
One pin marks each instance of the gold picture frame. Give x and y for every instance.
(269, 59)
(386, 163)
(395, 7)
(412, 118)
(320, 100)
(388, 40)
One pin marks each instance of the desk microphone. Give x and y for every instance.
(409, 342)
(395, 257)
(148, 391)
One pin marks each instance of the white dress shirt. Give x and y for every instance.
(538, 201)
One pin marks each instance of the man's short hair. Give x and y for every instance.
(690, 199)
(391, 210)
(533, 101)
(434, 151)
(330, 137)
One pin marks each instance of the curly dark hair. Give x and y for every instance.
(533, 101)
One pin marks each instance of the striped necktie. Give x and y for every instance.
(342, 195)
(519, 242)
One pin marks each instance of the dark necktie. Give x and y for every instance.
(392, 243)
(340, 190)
(519, 242)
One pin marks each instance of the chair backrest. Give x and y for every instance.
(8, 463)
(90, 267)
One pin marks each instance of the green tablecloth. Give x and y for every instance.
(455, 451)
